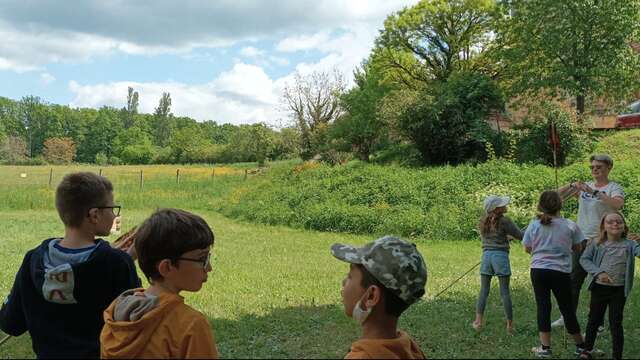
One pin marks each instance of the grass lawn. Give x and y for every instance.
(275, 293)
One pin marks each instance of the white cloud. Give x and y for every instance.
(244, 94)
(302, 42)
(47, 78)
(250, 51)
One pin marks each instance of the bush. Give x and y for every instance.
(441, 203)
(102, 159)
(532, 136)
(59, 150)
(448, 121)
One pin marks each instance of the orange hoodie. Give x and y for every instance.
(402, 347)
(155, 327)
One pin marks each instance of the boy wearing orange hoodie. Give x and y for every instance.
(174, 252)
(385, 277)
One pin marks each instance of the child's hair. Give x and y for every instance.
(603, 233)
(489, 222)
(549, 204)
(167, 234)
(78, 193)
(393, 304)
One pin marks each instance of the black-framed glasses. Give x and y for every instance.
(114, 209)
(596, 167)
(205, 261)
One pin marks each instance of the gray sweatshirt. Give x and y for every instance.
(592, 259)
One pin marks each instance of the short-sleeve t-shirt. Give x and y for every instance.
(591, 209)
(551, 244)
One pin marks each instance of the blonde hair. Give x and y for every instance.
(603, 233)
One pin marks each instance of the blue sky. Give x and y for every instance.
(222, 60)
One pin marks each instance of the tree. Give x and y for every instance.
(59, 150)
(39, 123)
(447, 123)
(102, 130)
(434, 38)
(313, 101)
(162, 117)
(582, 48)
(132, 108)
(133, 146)
(13, 149)
(253, 142)
(361, 127)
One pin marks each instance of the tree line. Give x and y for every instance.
(439, 72)
(33, 132)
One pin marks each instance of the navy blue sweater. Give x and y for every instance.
(63, 311)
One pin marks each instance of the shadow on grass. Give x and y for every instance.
(442, 328)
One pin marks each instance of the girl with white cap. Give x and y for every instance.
(495, 229)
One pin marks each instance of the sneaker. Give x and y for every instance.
(540, 352)
(597, 352)
(476, 326)
(558, 323)
(579, 351)
(601, 329)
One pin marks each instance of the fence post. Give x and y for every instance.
(100, 172)
(177, 176)
(141, 180)
(245, 173)
(213, 172)
(50, 176)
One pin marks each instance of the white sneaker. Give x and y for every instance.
(601, 329)
(558, 323)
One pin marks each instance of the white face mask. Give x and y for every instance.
(359, 314)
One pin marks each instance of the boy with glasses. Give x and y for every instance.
(64, 284)
(174, 253)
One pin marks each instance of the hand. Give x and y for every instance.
(584, 187)
(604, 278)
(125, 243)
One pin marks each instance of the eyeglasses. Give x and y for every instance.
(611, 222)
(114, 209)
(596, 167)
(204, 261)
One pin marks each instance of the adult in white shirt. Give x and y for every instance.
(595, 199)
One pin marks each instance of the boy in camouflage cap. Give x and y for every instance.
(385, 277)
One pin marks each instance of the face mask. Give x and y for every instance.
(360, 315)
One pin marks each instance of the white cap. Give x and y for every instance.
(493, 201)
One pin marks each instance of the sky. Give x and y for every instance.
(221, 60)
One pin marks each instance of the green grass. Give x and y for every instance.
(275, 293)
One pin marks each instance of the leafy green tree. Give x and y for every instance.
(188, 144)
(286, 143)
(580, 48)
(362, 127)
(252, 143)
(133, 146)
(447, 123)
(39, 123)
(163, 119)
(99, 138)
(434, 38)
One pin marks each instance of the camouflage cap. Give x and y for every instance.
(396, 263)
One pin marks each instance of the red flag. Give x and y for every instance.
(554, 138)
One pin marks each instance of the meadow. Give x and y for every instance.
(274, 292)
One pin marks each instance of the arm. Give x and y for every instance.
(513, 230)
(12, 319)
(616, 202)
(587, 260)
(569, 191)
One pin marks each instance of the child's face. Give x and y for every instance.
(352, 290)
(192, 270)
(614, 225)
(105, 218)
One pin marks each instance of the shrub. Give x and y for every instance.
(533, 136)
(102, 159)
(59, 150)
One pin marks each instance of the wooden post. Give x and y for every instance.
(141, 180)
(213, 172)
(177, 176)
(245, 173)
(100, 172)
(50, 176)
